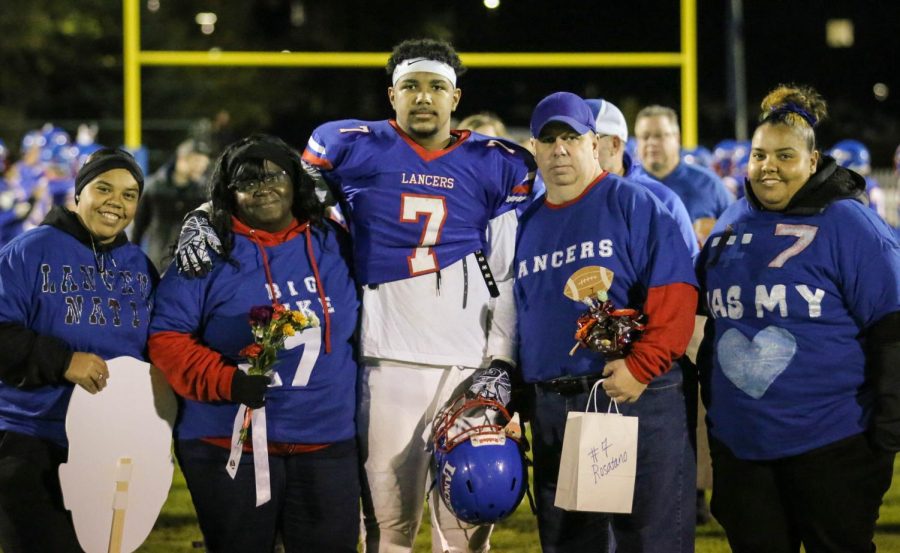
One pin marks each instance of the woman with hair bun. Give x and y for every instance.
(801, 282)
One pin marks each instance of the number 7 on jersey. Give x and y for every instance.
(434, 209)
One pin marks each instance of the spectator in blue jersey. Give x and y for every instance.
(432, 214)
(73, 293)
(659, 149)
(595, 220)
(276, 248)
(612, 134)
(799, 361)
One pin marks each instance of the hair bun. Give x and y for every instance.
(792, 104)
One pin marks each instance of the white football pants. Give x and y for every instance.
(397, 404)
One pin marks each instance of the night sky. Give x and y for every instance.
(784, 42)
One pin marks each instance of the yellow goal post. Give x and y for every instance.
(135, 58)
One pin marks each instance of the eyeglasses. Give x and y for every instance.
(657, 136)
(268, 180)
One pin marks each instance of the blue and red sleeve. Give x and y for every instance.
(670, 313)
(193, 370)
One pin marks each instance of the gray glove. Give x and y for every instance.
(492, 383)
(196, 240)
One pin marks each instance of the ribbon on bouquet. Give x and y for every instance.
(260, 451)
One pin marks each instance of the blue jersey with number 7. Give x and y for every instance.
(412, 211)
(312, 397)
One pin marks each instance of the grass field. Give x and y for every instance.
(176, 530)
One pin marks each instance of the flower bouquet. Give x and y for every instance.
(605, 329)
(271, 325)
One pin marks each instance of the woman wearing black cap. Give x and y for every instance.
(73, 292)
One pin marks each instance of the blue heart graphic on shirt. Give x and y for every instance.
(754, 365)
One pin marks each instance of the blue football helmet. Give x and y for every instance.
(479, 467)
(60, 154)
(853, 155)
(722, 156)
(55, 136)
(33, 139)
(698, 156)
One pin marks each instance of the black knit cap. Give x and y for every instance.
(106, 159)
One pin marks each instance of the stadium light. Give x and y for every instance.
(207, 22)
(492, 4)
(839, 33)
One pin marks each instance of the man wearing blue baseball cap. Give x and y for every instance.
(592, 220)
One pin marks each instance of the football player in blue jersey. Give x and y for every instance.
(278, 249)
(432, 214)
(801, 282)
(73, 294)
(593, 221)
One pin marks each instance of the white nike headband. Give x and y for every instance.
(415, 65)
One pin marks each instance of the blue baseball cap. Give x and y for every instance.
(563, 107)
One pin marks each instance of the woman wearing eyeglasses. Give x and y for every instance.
(278, 249)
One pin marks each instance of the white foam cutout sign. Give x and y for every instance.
(120, 466)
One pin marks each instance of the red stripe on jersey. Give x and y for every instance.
(429, 155)
(587, 189)
(315, 160)
(194, 370)
(670, 323)
(524, 188)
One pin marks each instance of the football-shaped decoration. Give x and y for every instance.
(587, 281)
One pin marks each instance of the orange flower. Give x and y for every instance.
(252, 351)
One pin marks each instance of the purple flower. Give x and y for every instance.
(261, 315)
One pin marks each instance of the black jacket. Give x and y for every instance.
(30, 359)
(828, 184)
(162, 207)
